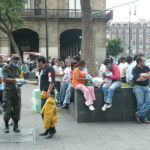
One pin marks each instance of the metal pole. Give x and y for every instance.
(75, 7)
(130, 31)
(46, 29)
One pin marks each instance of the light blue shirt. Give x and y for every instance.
(1, 76)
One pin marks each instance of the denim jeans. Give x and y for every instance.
(68, 94)
(57, 87)
(142, 94)
(63, 91)
(109, 91)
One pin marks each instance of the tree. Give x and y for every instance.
(114, 47)
(10, 20)
(88, 52)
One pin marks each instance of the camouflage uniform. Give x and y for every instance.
(12, 94)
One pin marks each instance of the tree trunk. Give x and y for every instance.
(88, 52)
(13, 44)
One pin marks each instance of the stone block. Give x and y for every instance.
(123, 109)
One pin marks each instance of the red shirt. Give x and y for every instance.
(116, 73)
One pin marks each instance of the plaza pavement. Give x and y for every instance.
(72, 135)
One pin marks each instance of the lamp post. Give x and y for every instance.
(130, 38)
(46, 29)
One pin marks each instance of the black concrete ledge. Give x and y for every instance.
(123, 109)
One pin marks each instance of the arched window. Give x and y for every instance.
(74, 4)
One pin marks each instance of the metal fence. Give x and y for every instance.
(63, 13)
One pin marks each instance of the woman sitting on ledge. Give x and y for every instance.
(116, 83)
(78, 82)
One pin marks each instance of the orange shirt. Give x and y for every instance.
(82, 74)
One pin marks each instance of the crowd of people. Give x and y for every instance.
(131, 71)
(56, 79)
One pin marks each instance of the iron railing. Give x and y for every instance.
(63, 14)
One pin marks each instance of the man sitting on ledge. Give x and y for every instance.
(141, 74)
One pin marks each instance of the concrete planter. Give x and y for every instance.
(123, 109)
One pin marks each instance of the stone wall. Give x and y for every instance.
(123, 107)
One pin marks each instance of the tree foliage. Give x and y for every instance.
(114, 47)
(10, 18)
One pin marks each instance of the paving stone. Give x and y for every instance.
(25, 135)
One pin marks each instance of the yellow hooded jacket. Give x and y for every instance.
(50, 113)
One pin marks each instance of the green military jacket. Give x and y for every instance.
(10, 72)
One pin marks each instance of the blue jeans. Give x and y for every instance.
(68, 94)
(109, 91)
(63, 91)
(142, 94)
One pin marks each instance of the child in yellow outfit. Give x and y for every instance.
(50, 113)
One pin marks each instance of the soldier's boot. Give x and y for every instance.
(16, 127)
(6, 130)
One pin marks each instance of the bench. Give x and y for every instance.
(123, 109)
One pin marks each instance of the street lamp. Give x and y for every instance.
(130, 31)
(46, 29)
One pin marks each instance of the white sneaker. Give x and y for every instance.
(86, 103)
(109, 105)
(91, 107)
(104, 107)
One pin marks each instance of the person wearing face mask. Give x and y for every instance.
(12, 93)
(78, 82)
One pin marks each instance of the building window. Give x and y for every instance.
(141, 42)
(134, 51)
(127, 36)
(37, 3)
(147, 46)
(141, 36)
(134, 31)
(120, 31)
(27, 4)
(113, 32)
(133, 42)
(127, 31)
(74, 4)
(141, 31)
(147, 41)
(134, 37)
(125, 25)
(147, 30)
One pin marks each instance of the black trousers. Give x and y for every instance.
(123, 79)
(1, 96)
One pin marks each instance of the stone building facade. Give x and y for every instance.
(64, 28)
(139, 36)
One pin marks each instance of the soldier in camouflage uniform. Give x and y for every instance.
(12, 93)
